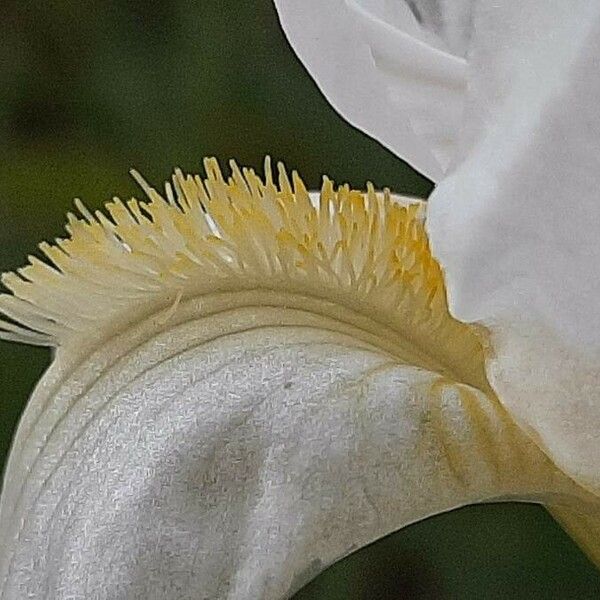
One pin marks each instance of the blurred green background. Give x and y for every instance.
(88, 90)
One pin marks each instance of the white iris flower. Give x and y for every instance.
(251, 381)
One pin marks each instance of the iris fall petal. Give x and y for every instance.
(250, 382)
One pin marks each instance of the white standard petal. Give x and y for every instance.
(516, 226)
(385, 72)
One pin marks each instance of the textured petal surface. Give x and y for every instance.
(516, 226)
(236, 455)
(388, 74)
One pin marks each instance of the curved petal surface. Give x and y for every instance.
(237, 454)
(385, 72)
(516, 226)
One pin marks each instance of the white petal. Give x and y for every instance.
(237, 455)
(517, 225)
(385, 73)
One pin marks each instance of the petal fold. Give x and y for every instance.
(384, 72)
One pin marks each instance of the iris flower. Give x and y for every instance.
(251, 381)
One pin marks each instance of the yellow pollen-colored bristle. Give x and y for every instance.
(366, 251)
